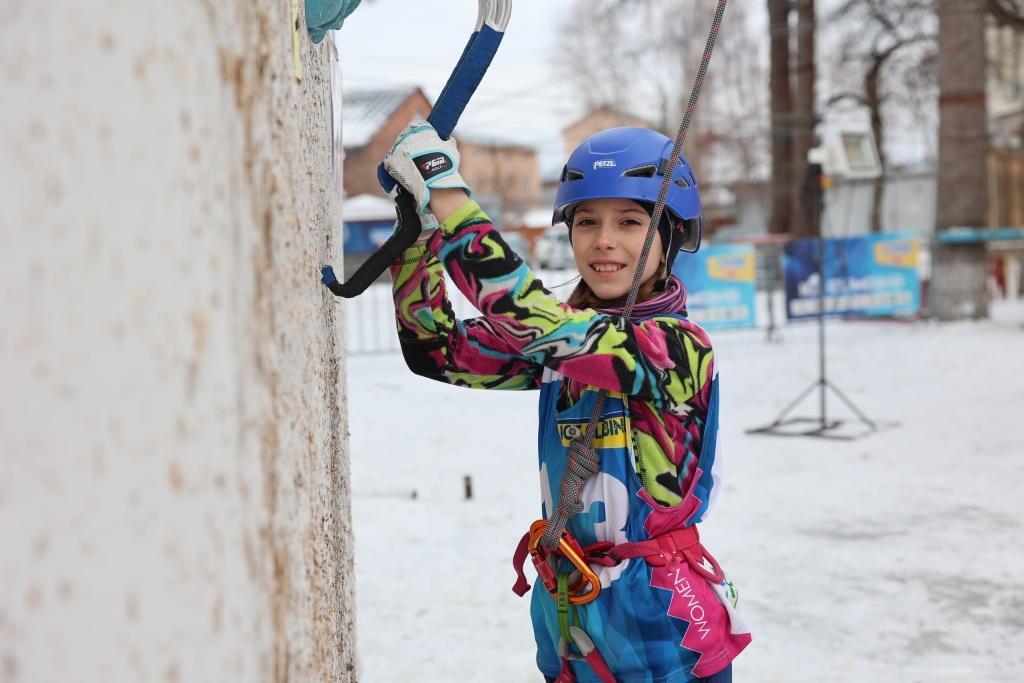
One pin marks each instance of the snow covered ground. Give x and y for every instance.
(897, 557)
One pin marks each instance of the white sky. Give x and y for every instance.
(407, 42)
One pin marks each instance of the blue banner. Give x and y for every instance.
(721, 285)
(366, 237)
(869, 275)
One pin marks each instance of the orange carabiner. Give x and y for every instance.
(587, 588)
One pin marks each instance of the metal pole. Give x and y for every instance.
(821, 324)
(773, 261)
(817, 177)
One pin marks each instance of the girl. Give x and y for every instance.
(655, 607)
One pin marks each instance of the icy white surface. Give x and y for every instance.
(897, 557)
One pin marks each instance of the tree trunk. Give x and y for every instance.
(782, 179)
(803, 117)
(174, 503)
(963, 135)
(873, 99)
(958, 279)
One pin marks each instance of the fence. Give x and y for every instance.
(370, 323)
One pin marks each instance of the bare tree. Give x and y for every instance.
(804, 118)
(597, 77)
(884, 49)
(781, 116)
(737, 107)
(963, 133)
(650, 51)
(1009, 12)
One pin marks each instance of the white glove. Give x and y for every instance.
(421, 161)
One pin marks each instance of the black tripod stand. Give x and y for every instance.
(814, 204)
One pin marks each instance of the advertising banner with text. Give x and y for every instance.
(721, 285)
(868, 275)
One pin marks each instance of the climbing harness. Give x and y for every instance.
(492, 18)
(548, 540)
(679, 545)
(567, 588)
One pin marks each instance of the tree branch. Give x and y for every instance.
(1008, 12)
(855, 97)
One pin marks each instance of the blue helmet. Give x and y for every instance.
(629, 163)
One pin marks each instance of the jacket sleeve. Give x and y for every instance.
(437, 345)
(663, 359)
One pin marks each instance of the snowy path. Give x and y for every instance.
(899, 557)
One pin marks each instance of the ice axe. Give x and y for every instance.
(492, 18)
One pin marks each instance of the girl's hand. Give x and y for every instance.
(420, 161)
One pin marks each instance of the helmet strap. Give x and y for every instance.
(666, 264)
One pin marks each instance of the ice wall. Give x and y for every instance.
(174, 501)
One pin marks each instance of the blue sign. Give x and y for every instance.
(869, 275)
(366, 237)
(721, 285)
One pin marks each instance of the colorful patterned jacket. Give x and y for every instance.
(664, 363)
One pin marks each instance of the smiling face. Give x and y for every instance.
(607, 238)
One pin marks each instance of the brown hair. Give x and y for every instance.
(583, 297)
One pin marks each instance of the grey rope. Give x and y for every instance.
(583, 462)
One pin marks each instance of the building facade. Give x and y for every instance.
(597, 120)
(504, 175)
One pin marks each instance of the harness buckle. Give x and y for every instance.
(602, 553)
(583, 590)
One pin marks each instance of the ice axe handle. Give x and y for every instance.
(468, 73)
(400, 240)
(472, 66)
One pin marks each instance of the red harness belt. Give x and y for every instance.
(678, 545)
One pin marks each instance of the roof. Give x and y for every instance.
(622, 114)
(364, 112)
(367, 207)
(538, 218)
(485, 140)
